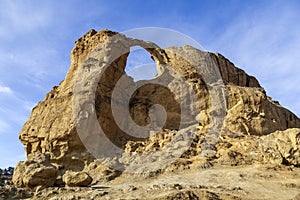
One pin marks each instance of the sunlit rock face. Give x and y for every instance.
(249, 114)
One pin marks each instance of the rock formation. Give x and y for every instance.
(77, 179)
(254, 129)
(36, 172)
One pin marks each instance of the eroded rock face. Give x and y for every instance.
(36, 172)
(249, 112)
(280, 147)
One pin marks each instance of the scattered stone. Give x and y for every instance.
(77, 179)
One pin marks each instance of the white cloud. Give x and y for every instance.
(5, 90)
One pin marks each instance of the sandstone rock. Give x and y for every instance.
(250, 116)
(36, 172)
(233, 75)
(251, 111)
(101, 173)
(18, 174)
(77, 179)
(280, 147)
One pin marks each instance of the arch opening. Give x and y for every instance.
(133, 65)
(140, 65)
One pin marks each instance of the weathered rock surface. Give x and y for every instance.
(36, 172)
(255, 129)
(76, 179)
(280, 147)
(50, 127)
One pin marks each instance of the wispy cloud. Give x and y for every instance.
(31, 62)
(143, 72)
(13, 114)
(22, 17)
(265, 42)
(5, 90)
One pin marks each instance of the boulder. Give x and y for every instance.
(35, 172)
(76, 179)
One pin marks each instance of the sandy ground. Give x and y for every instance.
(247, 182)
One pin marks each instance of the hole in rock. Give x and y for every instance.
(140, 65)
(140, 102)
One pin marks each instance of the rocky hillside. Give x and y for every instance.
(218, 125)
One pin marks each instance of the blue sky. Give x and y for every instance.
(36, 37)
